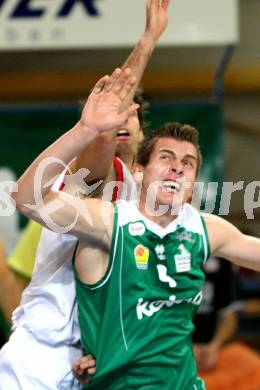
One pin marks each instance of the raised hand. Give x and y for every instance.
(102, 111)
(156, 17)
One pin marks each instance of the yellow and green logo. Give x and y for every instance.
(141, 256)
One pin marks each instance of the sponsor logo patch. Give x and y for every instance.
(149, 308)
(141, 256)
(136, 229)
(183, 260)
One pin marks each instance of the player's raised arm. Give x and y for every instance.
(101, 113)
(155, 24)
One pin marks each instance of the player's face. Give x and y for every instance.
(128, 137)
(171, 172)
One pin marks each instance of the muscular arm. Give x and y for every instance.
(83, 218)
(102, 149)
(229, 243)
(156, 23)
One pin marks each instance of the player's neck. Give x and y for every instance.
(162, 215)
(127, 157)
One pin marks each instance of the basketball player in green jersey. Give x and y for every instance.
(138, 294)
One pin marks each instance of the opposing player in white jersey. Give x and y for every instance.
(46, 337)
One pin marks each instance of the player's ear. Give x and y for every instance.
(137, 172)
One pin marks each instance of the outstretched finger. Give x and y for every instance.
(127, 87)
(148, 3)
(156, 4)
(127, 113)
(100, 84)
(148, 6)
(124, 83)
(152, 6)
(165, 4)
(112, 80)
(122, 80)
(133, 108)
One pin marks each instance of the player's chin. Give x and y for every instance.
(173, 202)
(123, 140)
(166, 198)
(123, 148)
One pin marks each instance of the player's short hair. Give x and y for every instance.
(176, 130)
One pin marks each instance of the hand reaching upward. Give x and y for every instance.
(102, 111)
(156, 17)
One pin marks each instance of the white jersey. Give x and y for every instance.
(51, 292)
(46, 338)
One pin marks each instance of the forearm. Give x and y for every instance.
(102, 149)
(97, 157)
(137, 62)
(140, 55)
(35, 177)
(226, 328)
(156, 23)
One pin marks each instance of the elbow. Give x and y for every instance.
(16, 197)
(16, 201)
(12, 201)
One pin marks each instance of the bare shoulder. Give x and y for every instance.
(214, 221)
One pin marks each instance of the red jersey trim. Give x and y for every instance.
(119, 178)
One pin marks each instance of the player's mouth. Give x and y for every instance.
(170, 186)
(123, 135)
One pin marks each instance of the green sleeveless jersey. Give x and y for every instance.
(137, 320)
